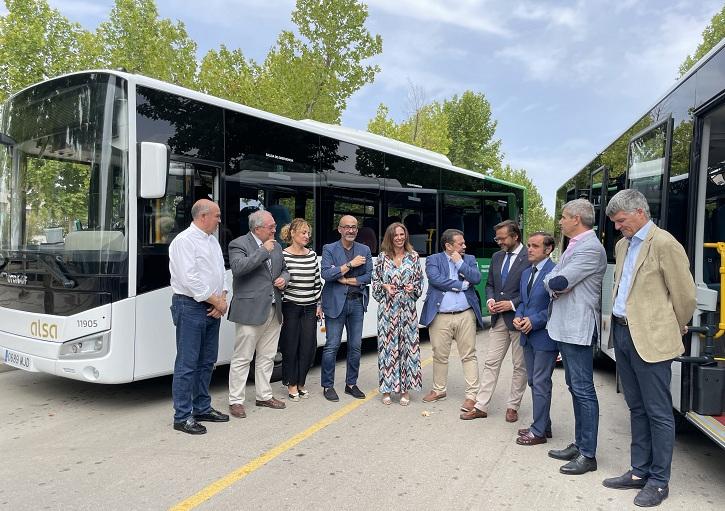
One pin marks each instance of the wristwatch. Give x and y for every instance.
(349, 266)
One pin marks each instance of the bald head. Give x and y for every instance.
(347, 227)
(206, 215)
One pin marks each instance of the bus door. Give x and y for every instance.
(476, 214)
(703, 397)
(160, 221)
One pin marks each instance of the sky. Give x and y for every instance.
(564, 78)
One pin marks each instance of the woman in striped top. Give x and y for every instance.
(300, 307)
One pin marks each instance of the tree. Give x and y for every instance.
(310, 76)
(37, 43)
(472, 130)
(136, 39)
(536, 218)
(712, 35)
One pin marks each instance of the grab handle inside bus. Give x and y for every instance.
(720, 247)
(153, 170)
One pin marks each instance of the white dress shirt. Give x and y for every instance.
(196, 264)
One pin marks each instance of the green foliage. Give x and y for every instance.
(712, 35)
(472, 132)
(136, 39)
(37, 42)
(311, 76)
(536, 218)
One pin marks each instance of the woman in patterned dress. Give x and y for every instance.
(397, 285)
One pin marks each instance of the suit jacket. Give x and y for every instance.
(535, 306)
(252, 285)
(661, 297)
(439, 282)
(334, 294)
(498, 290)
(576, 315)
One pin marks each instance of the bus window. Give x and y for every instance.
(465, 213)
(647, 165)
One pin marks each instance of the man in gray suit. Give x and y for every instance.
(260, 275)
(575, 284)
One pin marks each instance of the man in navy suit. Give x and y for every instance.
(502, 293)
(347, 268)
(451, 311)
(540, 350)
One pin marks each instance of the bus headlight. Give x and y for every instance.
(85, 347)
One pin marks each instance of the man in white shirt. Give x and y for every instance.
(196, 265)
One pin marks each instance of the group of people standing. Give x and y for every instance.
(538, 310)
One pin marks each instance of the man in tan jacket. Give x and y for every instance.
(654, 298)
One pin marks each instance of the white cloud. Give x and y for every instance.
(469, 14)
(559, 16)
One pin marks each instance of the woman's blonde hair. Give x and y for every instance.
(295, 225)
(387, 243)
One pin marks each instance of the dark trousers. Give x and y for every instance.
(539, 368)
(646, 388)
(298, 340)
(579, 375)
(197, 346)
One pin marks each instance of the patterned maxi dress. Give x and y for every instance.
(398, 342)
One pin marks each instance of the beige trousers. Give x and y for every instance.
(499, 340)
(444, 329)
(263, 340)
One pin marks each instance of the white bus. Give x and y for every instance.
(675, 155)
(98, 172)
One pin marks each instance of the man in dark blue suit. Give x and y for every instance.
(451, 311)
(347, 268)
(540, 350)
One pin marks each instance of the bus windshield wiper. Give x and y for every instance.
(57, 269)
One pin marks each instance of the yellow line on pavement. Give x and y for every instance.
(242, 472)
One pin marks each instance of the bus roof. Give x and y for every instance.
(353, 136)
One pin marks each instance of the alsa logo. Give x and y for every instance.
(44, 330)
(20, 280)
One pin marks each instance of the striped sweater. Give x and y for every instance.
(305, 285)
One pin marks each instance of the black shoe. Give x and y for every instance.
(190, 426)
(570, 452)
(651, 496)
(330, 394)
(354, 392)
(624, 482)
(212, 416)
(579, 465)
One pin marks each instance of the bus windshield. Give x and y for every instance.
(63, 182)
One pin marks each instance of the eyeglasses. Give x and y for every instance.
(348, 227)
(499, 240)
(270, 227)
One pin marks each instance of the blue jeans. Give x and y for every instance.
(197, 346)
(646, 388)
(539, 368)
(351, 319)
(579, 375)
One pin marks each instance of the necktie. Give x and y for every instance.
(531, 280)
(505, 268)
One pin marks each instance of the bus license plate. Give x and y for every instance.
(18, 360)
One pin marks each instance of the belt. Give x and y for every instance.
(453, 312)
(620, 321)
(354, 296)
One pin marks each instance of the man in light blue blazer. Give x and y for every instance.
(451, 312)
(346, 268)
(575, 284)
(540, 350)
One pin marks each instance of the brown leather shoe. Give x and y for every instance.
(467, 405)
(525, 431)
(272, 403)
(473, 414)
(237, 410)
(530, 439)
(511, 415)
(434, 396)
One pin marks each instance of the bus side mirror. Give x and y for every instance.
(153, 169)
